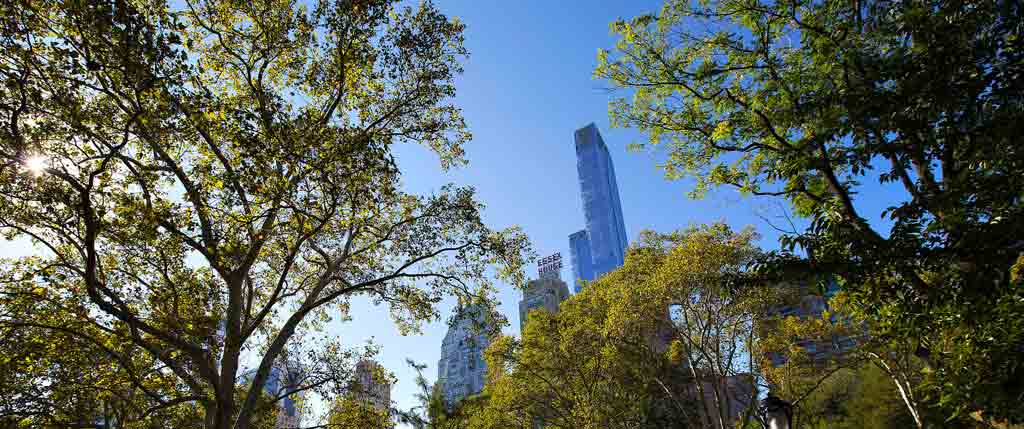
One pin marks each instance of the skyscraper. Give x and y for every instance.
(281, 380)
(601, 247)
(461, 370)
(544, 293)
(582, 262)
(371, 386)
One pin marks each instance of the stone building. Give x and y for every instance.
(371, 385)
(808, 303)
(461, 371)
(546, 293)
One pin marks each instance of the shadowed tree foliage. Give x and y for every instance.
(816, 360)
(207, 183)
(807, 100)
(861, 396)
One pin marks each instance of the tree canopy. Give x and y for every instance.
(859, 396)
(613, 356)
(809, 100)
(349, 412)
(207, 183)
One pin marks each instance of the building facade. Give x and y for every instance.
(811, 304)
(544, 293)
(601, 247)
(280, 381)
(371, 385)
(461, 371)
(579, 255)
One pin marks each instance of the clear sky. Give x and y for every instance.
(526, 88)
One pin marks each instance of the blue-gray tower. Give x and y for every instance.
(461, 371)
(602, 246)
(579, 254)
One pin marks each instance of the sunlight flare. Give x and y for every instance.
(36, 164)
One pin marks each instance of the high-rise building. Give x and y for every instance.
(582, 263)
(280, 381)
(544, 293)
(461, 370)
(808, 303)
(601, 247)
(371, 386)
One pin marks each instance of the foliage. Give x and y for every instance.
(613, 357)
(799, 350)
(212, 181)
(809, 100)
(563, 376)
(874, 402)
(858, 397)
(418, 416)
(348, 412)
(816, 361)
(433, 412)
(713, 315)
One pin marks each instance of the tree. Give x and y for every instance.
(570, 373)
(874, 402)
(366, 403)
(615, 356)
(856, 396)
(433, 412)
(349, 412)
(816, 360)
(86, 386)
(210, 182)
(714, 318)
(808, 100)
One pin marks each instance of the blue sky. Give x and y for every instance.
(526, 88)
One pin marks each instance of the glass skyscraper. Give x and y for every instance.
(601, 247)
(280, 380)
(579, 253)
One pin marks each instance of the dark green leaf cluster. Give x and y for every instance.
(809, 101)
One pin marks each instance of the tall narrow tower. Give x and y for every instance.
(582, 262)
(605, 234)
